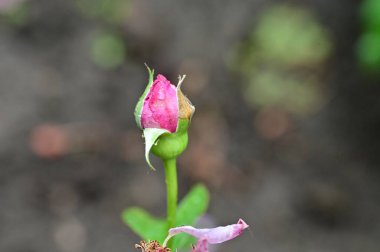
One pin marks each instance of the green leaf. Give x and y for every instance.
(190, 209)
(151, 135)
(140, 103)
(146, 226)
(193, 205)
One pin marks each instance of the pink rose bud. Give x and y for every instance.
(209, 235)
(164, 114)
(163, 105)
(160, 109)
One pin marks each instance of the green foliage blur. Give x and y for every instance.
(113, 12)
(16, 14)
(281, 59)
(108, 50)
(368, 48)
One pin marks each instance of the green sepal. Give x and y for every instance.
(151, 135)
(171, 145)
(140, 103)
(164, 144)
(191, 207)
(146, 226)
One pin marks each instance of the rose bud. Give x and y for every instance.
(164, 113)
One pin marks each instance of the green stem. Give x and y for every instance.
(172, 190)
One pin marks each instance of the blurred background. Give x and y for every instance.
(285, 134)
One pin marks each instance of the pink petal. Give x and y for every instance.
(211, 235)
(201, 246)
(222, 234)
(160, 109)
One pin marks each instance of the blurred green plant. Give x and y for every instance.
(291, 36)
(108, 50)
(370, 14)
(368, 47)
(110, 11)
(281, 59)
(14, 12)
(298, 94)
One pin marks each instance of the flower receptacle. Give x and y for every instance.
(171, 145)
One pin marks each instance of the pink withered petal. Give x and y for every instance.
(210, 235)
(160, 109)
(201, 246)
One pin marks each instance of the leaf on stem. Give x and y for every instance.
(146, 226)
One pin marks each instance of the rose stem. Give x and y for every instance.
(172, 190)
